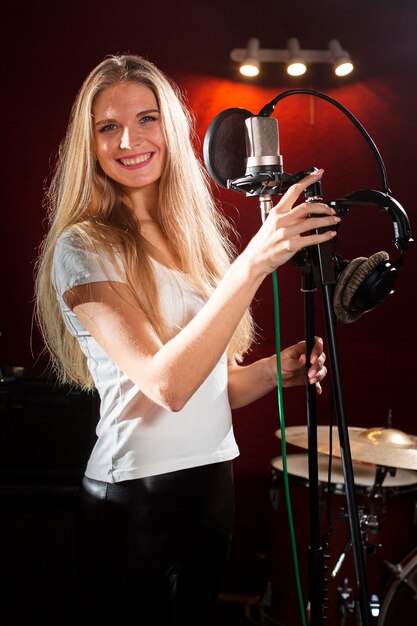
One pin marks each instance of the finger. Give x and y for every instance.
(311, 224)
(312, 240)
(305, 209)
(302, 359)
(300, 221)
(293, 192)
(322, 359)
(315, 376)
(303, 212)
(317, 351)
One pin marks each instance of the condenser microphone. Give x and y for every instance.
(262, 148)
(241, 152)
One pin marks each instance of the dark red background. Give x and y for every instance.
(49, 47)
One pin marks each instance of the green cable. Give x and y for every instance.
(284, 446)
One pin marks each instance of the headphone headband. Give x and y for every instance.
(402, 230)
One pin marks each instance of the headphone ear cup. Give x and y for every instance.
(362, 285)
(342, 314)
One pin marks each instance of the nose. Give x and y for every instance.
(125, 140)
(131, 136)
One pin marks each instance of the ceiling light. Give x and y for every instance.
(250, 63)
(295, 59)
(342, 63)
(296, 65)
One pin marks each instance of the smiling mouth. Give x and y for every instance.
(137, 160)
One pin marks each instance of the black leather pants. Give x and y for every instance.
(153, 550)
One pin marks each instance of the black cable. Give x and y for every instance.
(269, 108)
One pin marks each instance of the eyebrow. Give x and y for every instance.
(140, 114)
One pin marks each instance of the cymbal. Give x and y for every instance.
(380, 446)
(364, 473)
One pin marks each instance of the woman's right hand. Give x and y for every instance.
(283, 233)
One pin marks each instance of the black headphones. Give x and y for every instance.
(363, 283)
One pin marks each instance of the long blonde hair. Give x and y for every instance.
(82, 199)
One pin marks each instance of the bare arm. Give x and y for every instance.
(169, 374)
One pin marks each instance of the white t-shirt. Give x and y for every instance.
(136, 436)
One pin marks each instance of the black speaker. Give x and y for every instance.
(48, 431)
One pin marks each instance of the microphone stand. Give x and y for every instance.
(315, 556)
(318, 270)
(321, 272)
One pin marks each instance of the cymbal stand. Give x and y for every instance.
(318, 270)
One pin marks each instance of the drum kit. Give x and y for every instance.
(385, 476)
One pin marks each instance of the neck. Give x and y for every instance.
(144, 201)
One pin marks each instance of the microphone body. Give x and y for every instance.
(262, 147)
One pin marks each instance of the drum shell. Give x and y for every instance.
(396, 509)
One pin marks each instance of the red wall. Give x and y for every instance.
(50, 48)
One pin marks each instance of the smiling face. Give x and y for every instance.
(128, 136)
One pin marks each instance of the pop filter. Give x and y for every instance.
(224, 147)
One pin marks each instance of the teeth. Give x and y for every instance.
(136, 160)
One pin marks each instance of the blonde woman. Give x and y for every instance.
(140, 295)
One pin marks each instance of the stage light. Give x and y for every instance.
(296, 65)
(250, 63)
(342, 63)
(293, 57)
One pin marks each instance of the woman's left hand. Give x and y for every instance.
(293, 365)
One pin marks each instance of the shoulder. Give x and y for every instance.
(77, 261)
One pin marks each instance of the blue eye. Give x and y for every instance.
(107, 128)
(148, 118)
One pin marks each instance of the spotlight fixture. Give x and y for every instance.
(295, 59)
(342, 63)
(250, 63)
(296, 65)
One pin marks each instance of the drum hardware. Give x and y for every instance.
(373, 523)
(347, 603)
(400, 574)
(375, 605)
(405, 580)
(387, 503)
(349, 606)
(367, 522)
(385, 507)
(400, 595)
(380, 475)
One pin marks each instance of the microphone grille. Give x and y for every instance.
(262, 136)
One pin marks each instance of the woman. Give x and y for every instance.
(139, 295)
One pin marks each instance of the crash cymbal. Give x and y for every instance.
(380, 446)
(364, 473)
